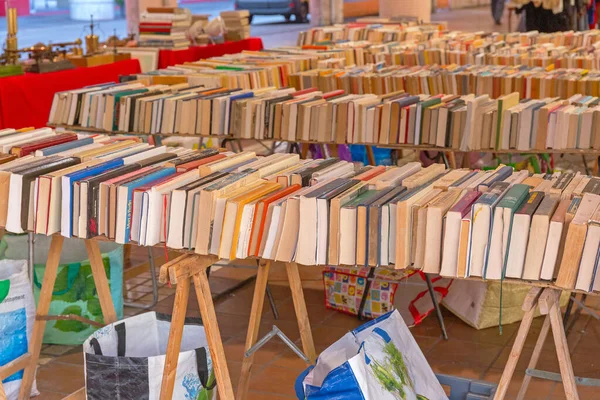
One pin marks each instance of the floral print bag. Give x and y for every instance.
(378, 361)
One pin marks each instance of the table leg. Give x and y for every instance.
(35, 344)
(529, 307)
(99, 273)
(562, 349)
(537, 351)
(308, 344)
(258, 301)
(182, 293)
(213, 335)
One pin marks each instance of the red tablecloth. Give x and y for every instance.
(26, 100)
(195, 53)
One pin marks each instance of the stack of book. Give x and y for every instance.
(459, 223)
(237, 24)
(466, 123)
(164, 27)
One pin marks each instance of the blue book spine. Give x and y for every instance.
(66, 146)
(145, 180)
(95, 170)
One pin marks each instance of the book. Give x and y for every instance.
(538, 236)
(575, 241)
(452, 233)
(502, 227)
(519, 237)
(482, 219)
(589, 256)
(554, 242)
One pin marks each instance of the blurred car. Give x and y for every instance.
(287, 8)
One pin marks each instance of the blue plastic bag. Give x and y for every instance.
(380, 360)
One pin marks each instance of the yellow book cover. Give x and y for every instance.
(242, 200)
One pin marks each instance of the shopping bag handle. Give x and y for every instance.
(72, 273)
(202, 367)
(121, 341)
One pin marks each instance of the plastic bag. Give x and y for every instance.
(125, 360)
(17, 315)
(380, 360)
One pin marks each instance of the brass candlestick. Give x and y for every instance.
(92, 42)
(12, 55)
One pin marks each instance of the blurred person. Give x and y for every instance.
(498, 10)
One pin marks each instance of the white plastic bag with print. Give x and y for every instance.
(17, 315)
(125, 360)
(378, 361)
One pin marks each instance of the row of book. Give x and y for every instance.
(164, 27)
(376, 33)
(447, 121)
(425, 47)
(534, 83)
(460, 223)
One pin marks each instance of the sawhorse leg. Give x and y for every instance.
(106, 303)
(548, 301)
(183, 271)
(256, 315)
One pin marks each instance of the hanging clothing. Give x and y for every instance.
(544, 19)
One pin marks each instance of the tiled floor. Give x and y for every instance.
(468, 352)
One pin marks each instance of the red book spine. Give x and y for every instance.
(155, 30)
(60, 139)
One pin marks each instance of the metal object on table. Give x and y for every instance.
(154, 285)
(92, 41)
(277, 332)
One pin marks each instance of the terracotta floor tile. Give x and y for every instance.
(240, 303)
(49, 396)
(234, 371)
(235, 348)
(267, 396)
(585, 392)
(289, 359)
(430, 327)
(456, 351)
(317, 313)
(232, 325)
(586, 365)
(548, 360)
(60, 378)
(462, 331)
(141, 289)
(289, 328)
(589, 342)
(426, 343)
(275, 380)
(463, 370)
(56, 350)
(74, 357)
(538, 389)
(326, 335)
(341, 320)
